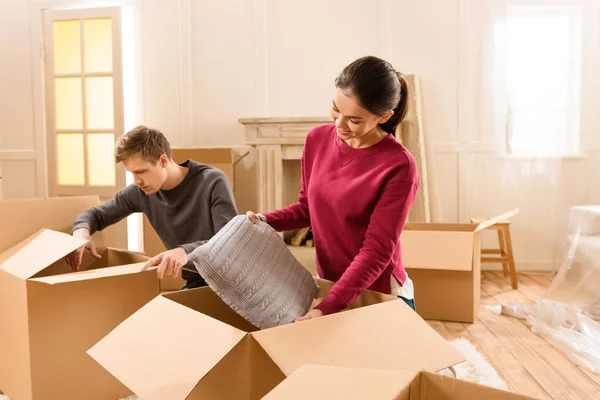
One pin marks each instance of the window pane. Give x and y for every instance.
(543, 62)
(101, 161)
(98, 45)
(69, 156)
(69, 111)
(100, 114)
(540, 133)
(67, 47)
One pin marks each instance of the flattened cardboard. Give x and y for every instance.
(50, 316)
(444, 263)
(317, 382)
(374, 335)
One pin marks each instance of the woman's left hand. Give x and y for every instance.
(314, 313)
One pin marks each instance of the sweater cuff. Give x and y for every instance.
(190, 247)
(80, 225)
(262, 217)
(331, 304)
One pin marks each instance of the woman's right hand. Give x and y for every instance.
(252, 217)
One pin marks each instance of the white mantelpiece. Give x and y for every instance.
(276, 140)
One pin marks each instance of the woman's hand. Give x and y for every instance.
(314, 313)
(252, 217)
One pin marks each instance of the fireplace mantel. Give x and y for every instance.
(276, 140)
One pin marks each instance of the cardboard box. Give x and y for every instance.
(153, 246)
(242, 178)
(444, 262)
(317, 382)
(26, 216)
(190, 345)
(49, 315)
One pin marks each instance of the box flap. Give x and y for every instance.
(27, 216)
(164, 349)
(491, 221)
(93, 274)
(439, 226)
(388, 335)
(436, 386)
(437, 250)
(38, 252)
(318, 382)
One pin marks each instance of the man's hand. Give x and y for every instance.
(74, 259)
(169, 263)
(314, 313)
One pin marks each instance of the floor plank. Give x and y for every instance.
(528, 363)
(539, 357)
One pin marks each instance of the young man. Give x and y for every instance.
(186, 203)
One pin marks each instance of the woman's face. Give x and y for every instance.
(352, 121)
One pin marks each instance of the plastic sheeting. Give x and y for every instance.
(568, 314)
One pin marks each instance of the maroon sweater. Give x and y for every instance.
(356, 201)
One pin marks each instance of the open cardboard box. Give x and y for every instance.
(444, 262)
(318, 382)
(49, 315)
(191, 345)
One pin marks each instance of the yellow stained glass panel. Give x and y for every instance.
(97, 34)
(69, 156)
(67, 47)
(101, 161)
(69, 110)
(99, 93)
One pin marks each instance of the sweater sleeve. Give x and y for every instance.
(385, 226)
(123, 204)
(297, 215)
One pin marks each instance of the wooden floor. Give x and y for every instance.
(527, 362)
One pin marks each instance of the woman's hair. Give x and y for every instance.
(378, 88)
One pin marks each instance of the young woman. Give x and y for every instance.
(358, 184)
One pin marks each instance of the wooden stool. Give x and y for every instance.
(505, 252)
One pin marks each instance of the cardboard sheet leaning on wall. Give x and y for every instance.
(568, 313)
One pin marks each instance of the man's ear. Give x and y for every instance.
(163, 160)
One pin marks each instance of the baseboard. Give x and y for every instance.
(525, 266)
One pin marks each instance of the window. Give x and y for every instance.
(84, 93)
(542, 73)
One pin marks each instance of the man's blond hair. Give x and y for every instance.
(147, 142)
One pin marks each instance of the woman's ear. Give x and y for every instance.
(384, 118)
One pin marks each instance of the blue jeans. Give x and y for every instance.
(411, 303)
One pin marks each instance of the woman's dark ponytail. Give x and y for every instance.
(401, 109)
(378, 87)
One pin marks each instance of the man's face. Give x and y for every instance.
(148, 176)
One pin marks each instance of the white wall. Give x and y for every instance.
(206, 64)
(17, 143)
